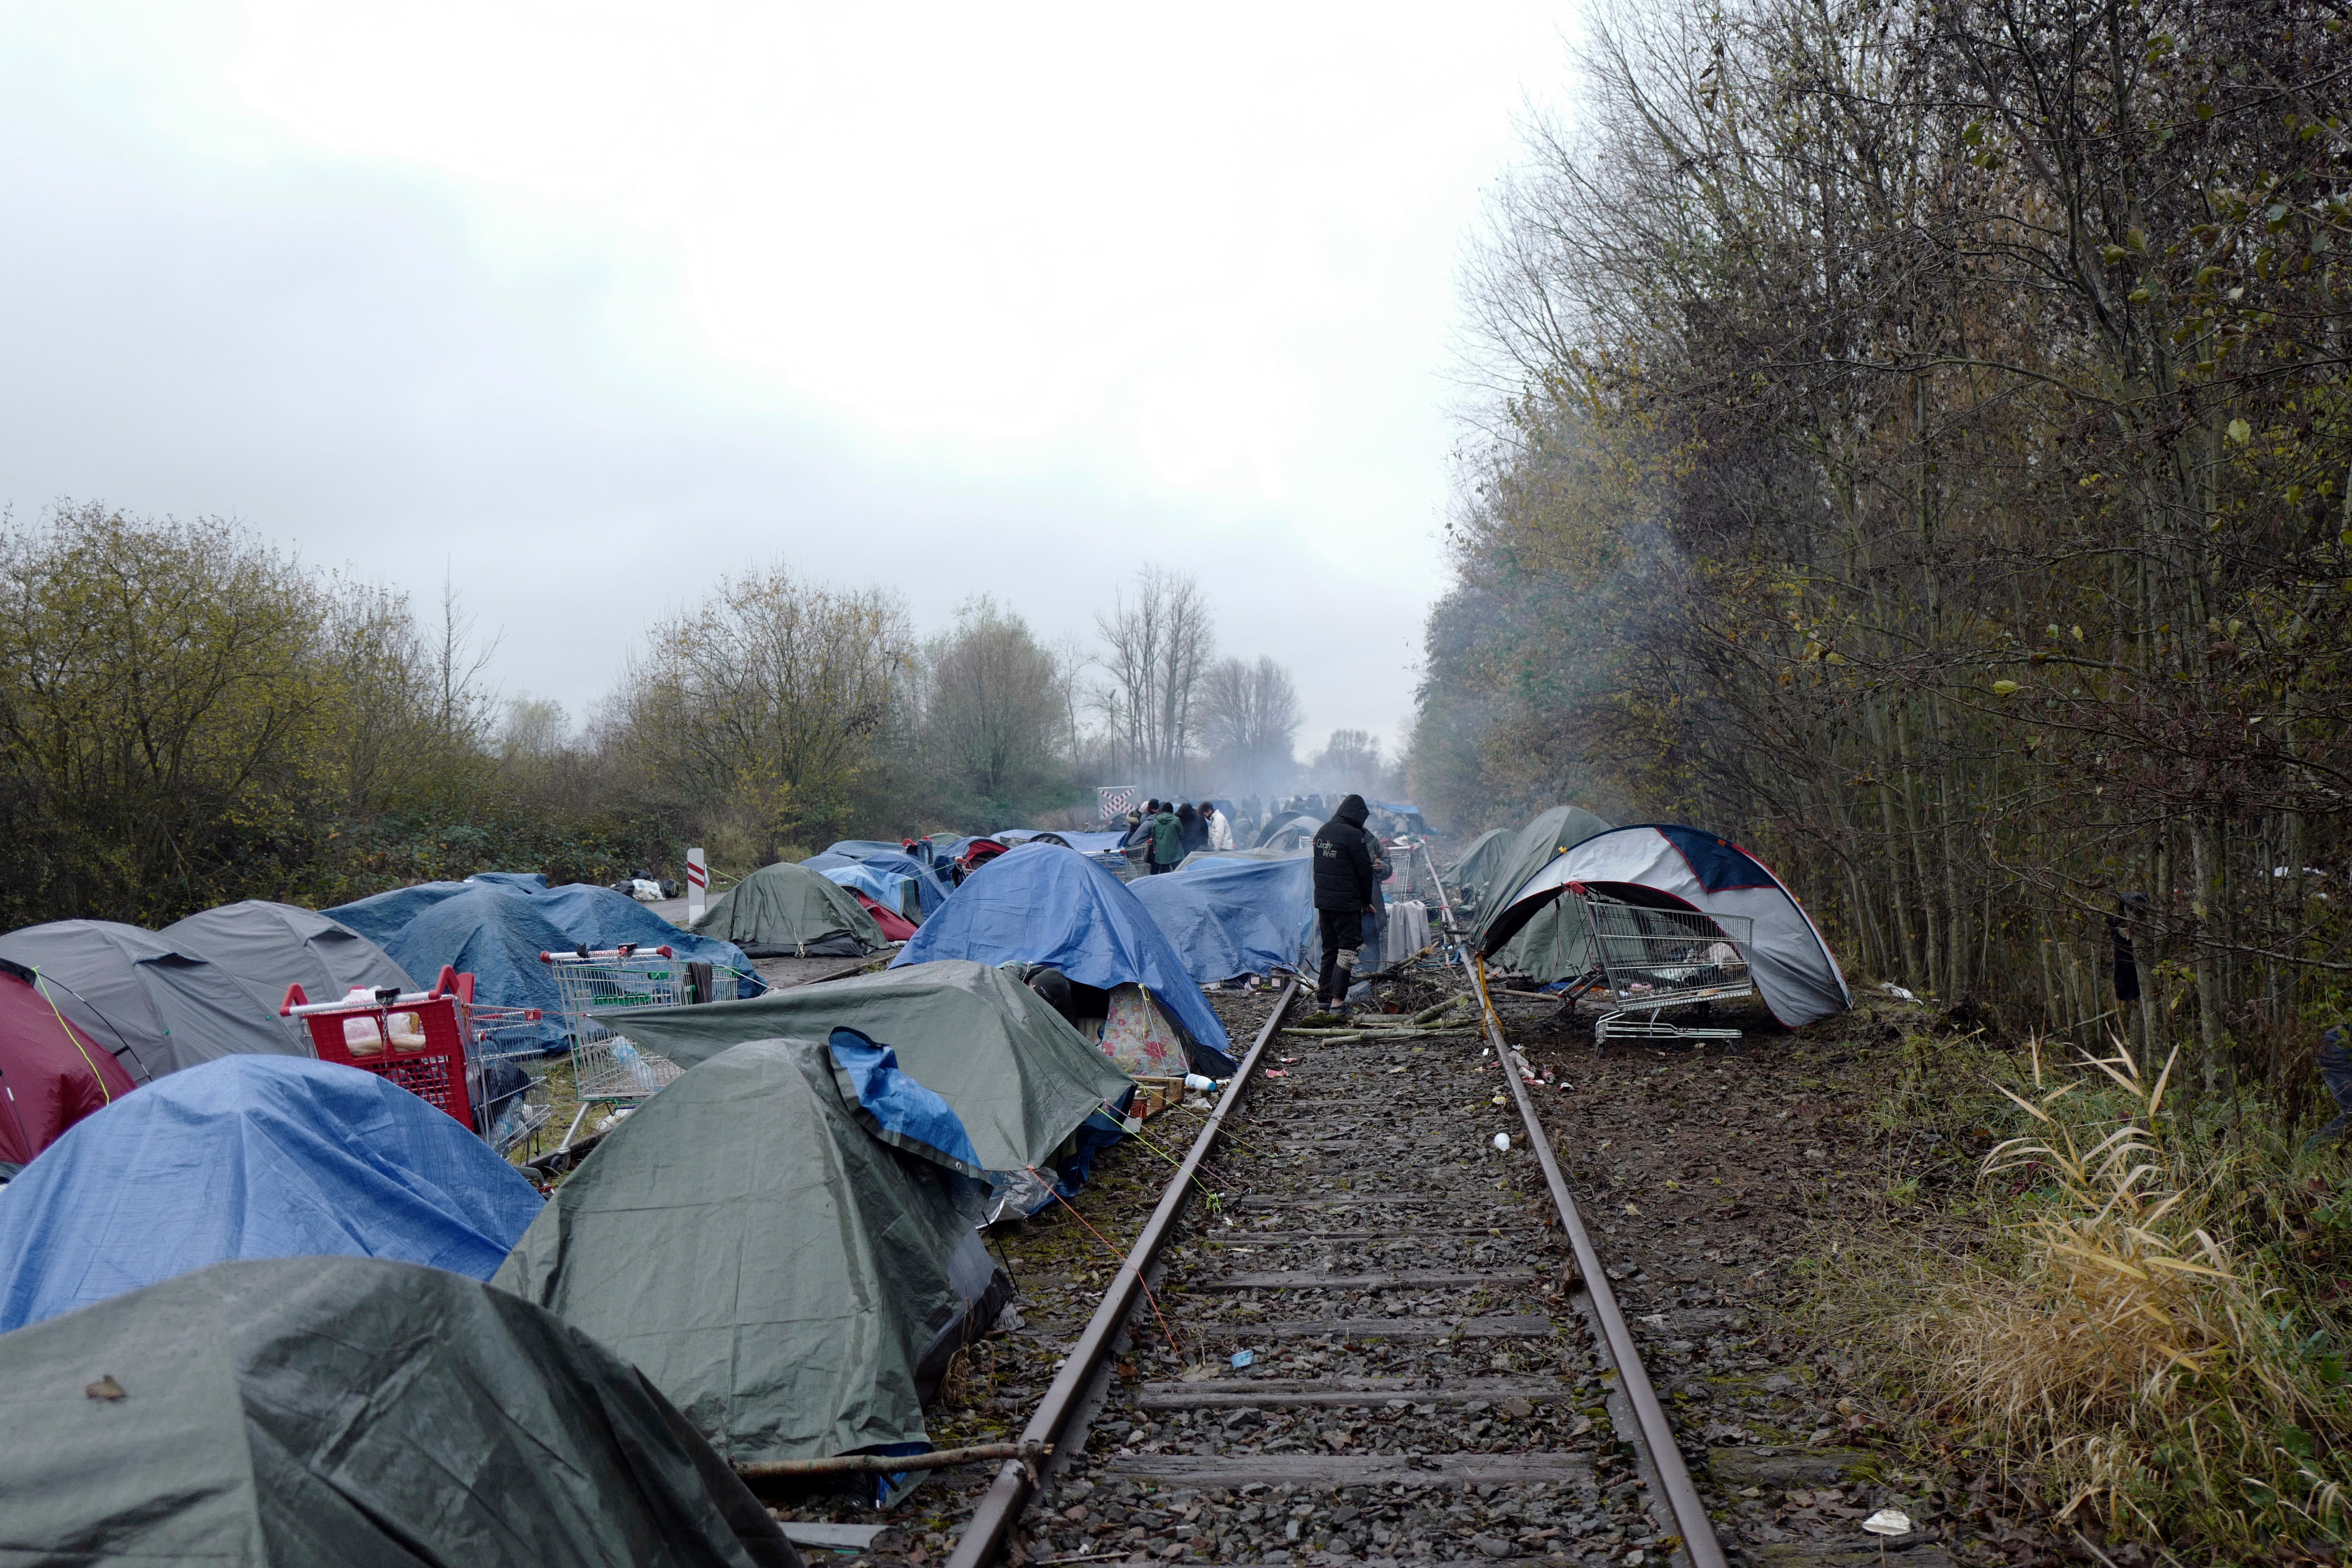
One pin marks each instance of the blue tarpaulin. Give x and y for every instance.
(899, 1109)
(1228, 917)
(380, 917)
(930, 885)
(495, 936)
(887, 888)
(251, 1156)
(1042, 904)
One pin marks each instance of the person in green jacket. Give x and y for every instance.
(1167, 841)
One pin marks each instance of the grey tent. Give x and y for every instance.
(1014, 1071)
(157, 1004)
(270, 947)
(761, 1245)
(1551, 946)
(352, 1411)
(1476, 866)
(790, 911)
(1287, 829)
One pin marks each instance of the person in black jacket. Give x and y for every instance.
(1195, 830)
(1344, 890)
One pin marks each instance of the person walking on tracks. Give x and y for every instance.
(1344, 890)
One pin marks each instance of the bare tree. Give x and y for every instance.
(1248, 718)
(1159, 645)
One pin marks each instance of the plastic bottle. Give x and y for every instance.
(640, 1071)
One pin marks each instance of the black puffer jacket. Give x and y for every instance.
(1343, 861)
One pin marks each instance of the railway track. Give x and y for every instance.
(1364, 1320)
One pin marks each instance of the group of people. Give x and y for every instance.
(1162, 833)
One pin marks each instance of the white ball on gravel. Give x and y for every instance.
(1502, 1142)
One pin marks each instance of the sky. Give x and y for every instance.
(586, 306)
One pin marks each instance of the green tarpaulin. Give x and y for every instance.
(1552, 945)
(790, 911)
(1015, 1072)
(776, 1269)
(368, 1414)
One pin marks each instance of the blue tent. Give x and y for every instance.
(1042, 904)
(1230, 917)
(252, 1156)
(597, 918)
(380, 917)
(931, 886)
(520, 881)
(495, 935)
(887, 888)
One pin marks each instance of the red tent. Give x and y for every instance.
(895, 925)
(51, 1074)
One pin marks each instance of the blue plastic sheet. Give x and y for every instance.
(1229, 917)
(251, 1156)
(1042, 904)
(899, 1109)
(931, 884)
(495, 935)
(887, 888)
(379, 918)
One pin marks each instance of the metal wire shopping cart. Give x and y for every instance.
(606, 1068)
(1646, 960)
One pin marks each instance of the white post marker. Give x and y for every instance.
(698, 885)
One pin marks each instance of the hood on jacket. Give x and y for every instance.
(1352, 812)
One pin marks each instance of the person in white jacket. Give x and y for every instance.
(1221, 832)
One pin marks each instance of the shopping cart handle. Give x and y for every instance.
(294, 998)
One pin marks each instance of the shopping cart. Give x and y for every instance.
(428, 1043)
(606, 1068)
(1646, 960)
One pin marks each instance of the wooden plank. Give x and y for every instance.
(1525, 1326)
(1199, 1471)
(1401, 1280)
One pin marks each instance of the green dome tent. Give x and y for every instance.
(1476, 866)
(1551, 946)
(355, 1411)
(787, 911)
(776, 1256)
(1014, 1071)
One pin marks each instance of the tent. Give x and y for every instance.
(156, 1005)
(931, 883)
(789, 911)
(1667, 866)
(495, 935)
(895, 927)
(770, 1240)
(270, 947)
(893, 890)
(1234, 914)
(598, 918)
(251, 1156)
(379, 917)
(1545, 838)
(51, 1074)
(1475, 867)
(1288, 830)
(296, 1411)
(1042, 904)
(1020, 1078)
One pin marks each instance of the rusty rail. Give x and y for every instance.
(1001, 1508)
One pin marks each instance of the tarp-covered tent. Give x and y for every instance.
(1020, 1078)
(932, 882)
(252, 1156)
(270, 947)
(893, 890)
(770, 1240)
(157, 1005)
(1042, 904)
(1287, 829)
(598, 918)
(51, 1074)
(1086, 844)
(496, 935)
(1666, 865)
(379, 917)
(299, 1411)
(1234, 913)
(1475, 867)
(789, 911)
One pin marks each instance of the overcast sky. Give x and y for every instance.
(594, 303)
